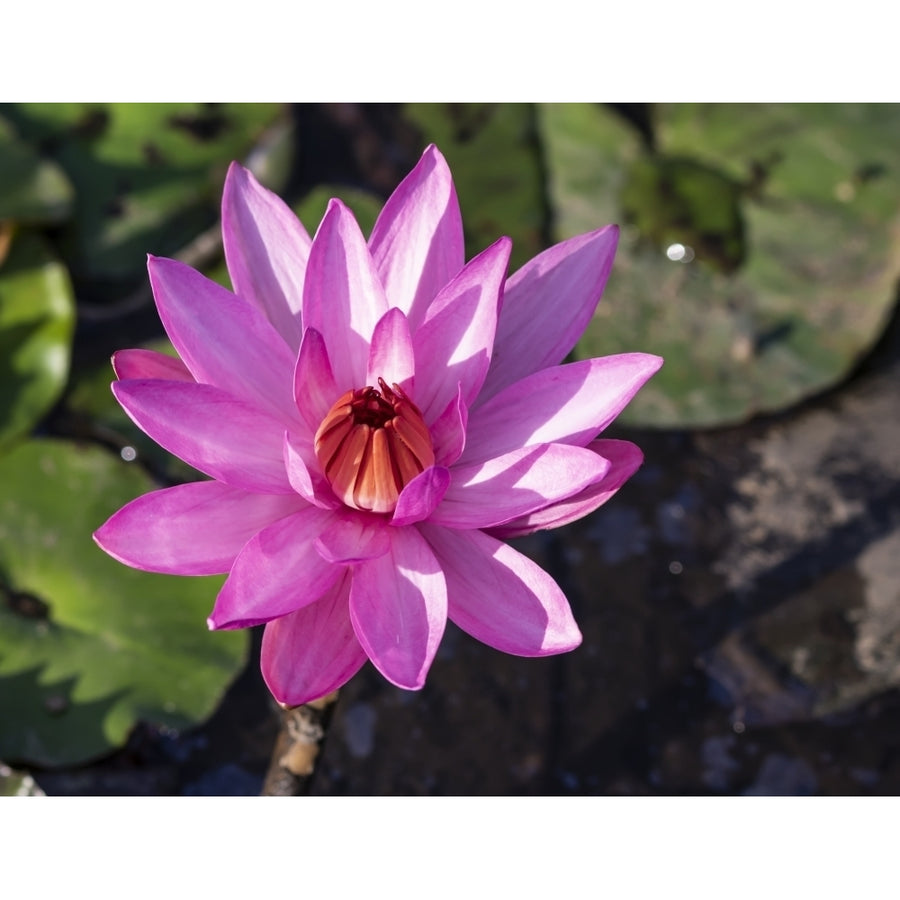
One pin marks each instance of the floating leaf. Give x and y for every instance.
(493, 154)
(32, 189)
(37, 318)
(760, 247)
(148, 177)
(88, 646)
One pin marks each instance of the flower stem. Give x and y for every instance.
(303, 730)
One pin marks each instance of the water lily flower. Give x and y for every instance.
(375, 418)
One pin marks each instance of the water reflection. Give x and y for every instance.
(680, 253)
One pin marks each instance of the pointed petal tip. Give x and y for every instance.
(566, 640)
(415, 685)
(569, 638)
(612, 233)
(433, 154)
(154, 261)
(236, 177)
(502, 245)
(337, 217)
(104, 538)
(336, 207)
(100, 538)
(645, 364)
(162, 267)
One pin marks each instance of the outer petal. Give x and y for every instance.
(343, 298)
(625, 459)
(266, 250)
(277, 572)
(131, 364)
(567, 404)
(417, 241)
(222, 340)
(453, 345)
(313, 651)
(501, 597)
(515, 484)
(190, 529)
(225, 438)
(547, 305)
(398, 606)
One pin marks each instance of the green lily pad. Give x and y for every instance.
(493, 155)
(88, 646)
(37, 319)
(32, 189)
(148, 177)
(760, 246)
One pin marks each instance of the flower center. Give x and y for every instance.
(372, 443)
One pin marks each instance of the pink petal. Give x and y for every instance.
(398, 606)
(501, 597)
(522, 481)
(453, 344)
(352, 537)
(625, 459)
(313, 651)
(567, 404)
(190, 529)
(448, 430)
(315, 390)
(223, 340)
(419, 499)
(227, 439)
(391, 354)
(343, 298)
(277, 572)
(266, 249)
(417, 241)
(133, 364)
(305, 476)
(547, 305)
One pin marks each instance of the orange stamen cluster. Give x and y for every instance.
(371, 444)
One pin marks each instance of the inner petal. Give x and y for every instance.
(371, 444)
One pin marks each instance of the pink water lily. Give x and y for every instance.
(375, 418)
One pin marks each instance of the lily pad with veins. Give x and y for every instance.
(87, 646)
(760, 252)
(145, 175)
(37, 319)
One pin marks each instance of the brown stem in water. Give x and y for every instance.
(303, 730)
